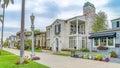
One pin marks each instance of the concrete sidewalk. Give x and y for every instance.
(54, 61)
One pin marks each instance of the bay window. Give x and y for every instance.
(96, 42)
(103, 41)
(110, 41)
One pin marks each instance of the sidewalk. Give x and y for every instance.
(54, 61)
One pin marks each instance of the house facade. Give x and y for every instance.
(12, 40)
(40, 39)
(73, 32)
(109, 38)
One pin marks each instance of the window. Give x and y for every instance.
(110, 41)
(96, 42)
(72, 42)
(83, 43)
(103, 41)
(58, 28)
(118, 25)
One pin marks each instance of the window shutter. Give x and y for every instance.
(55, 28)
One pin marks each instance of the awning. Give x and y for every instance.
(112, 34)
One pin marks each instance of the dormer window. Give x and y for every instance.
(118, 24)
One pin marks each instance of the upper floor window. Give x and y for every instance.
(57, 28)
(118, 24)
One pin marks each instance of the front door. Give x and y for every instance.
(57, 44)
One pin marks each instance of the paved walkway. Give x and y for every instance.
(115, 60)
(54, 61)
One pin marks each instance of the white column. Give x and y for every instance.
(107, 41)
(77, 35)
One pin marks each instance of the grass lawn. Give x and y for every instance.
(36, 50)
(61, 54)
(8, 60)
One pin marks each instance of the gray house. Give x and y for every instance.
(12, 40)
(109, 38)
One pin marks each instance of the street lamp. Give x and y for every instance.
(32, 17)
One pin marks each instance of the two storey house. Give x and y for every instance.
(73, 32)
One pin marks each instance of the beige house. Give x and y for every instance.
(40, 40)
(73, 32)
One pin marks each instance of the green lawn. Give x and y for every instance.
(7, 60)
(62, 54)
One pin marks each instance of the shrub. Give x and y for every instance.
(107, 59)
(17, 46)
(66, 49)
(27, 44)
(90, 57)
(99, 57)
(73, 52)
(113, 54)
(86, 56)
(85, 50)
(94, 51)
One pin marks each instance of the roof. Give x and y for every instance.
(115, 19)
(101, 35)
(40, 33)
(80, 16)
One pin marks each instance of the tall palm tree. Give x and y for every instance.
(22, 32)
(4, 5)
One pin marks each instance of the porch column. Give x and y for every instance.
(77, 35)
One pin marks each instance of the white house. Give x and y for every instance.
(73, 32)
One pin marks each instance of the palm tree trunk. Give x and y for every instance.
(22, 32)
(2, 29)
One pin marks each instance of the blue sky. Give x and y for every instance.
(47, 11)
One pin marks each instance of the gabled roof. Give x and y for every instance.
(115, 19)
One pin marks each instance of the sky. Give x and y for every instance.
(47, 11)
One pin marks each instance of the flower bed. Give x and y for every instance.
(92, 56)
(102, 48)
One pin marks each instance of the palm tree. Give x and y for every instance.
(22, 32)
(4, 5)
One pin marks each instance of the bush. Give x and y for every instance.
(66, 49)
(17, 46)
(94, 51)
(99, 57)
(85, 50)
(113, 54)
(86, 56)
(27, 44)
(6, 43)
(107, 59)
(73, 52)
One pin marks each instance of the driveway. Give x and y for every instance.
(54, 61)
